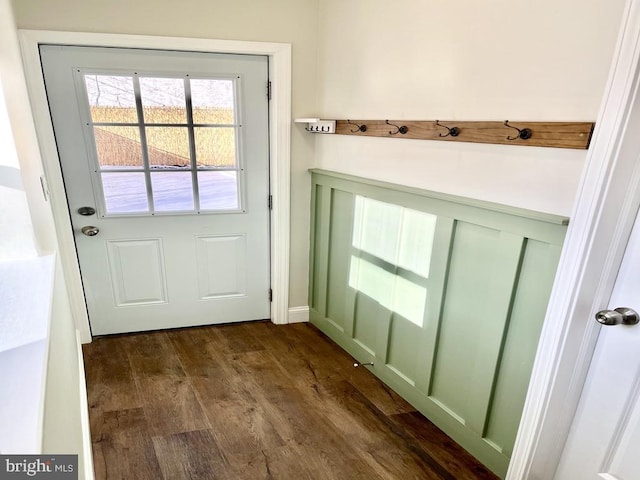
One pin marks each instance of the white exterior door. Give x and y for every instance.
(169, 150)
(604, 441)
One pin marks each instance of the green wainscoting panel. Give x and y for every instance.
(365, 328)
(338, 270)
(531, 296)
(425, 356)
(483, 266)
(445, 295)
(405, 340)
(320, 259)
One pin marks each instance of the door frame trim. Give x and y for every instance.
(279, 149)
(601, 222)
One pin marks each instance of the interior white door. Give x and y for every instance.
(169, 150)
(605, 435)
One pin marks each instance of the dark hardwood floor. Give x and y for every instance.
(254, 401)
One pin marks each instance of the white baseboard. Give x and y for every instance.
(298, 314)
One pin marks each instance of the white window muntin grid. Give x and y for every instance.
(90, 144)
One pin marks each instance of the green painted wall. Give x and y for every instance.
(445, 295)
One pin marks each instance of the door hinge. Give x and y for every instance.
(271, 295)
(270, 202)
(269, 90)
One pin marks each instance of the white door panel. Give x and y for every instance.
(136, 268)
(171, 150)
(605, 436)
(221, 263)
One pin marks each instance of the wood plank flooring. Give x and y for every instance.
(254, 401)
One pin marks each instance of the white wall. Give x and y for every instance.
(378, 59)
(63, 428)
(464, 60)
(288, 21)
(66, 428)
(21, 120)
(16, 231)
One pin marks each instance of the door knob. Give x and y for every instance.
(621, 315)
(90, 231)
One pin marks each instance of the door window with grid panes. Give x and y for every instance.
(164, 145)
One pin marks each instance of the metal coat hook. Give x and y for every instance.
(453, 131)
(403, 129)
(361, 128)
(524, 134)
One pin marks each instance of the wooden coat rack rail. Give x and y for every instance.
(535, 134)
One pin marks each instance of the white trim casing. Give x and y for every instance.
(87, 451)
(279, 138)
(298, 314)
(602, 220)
